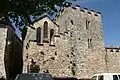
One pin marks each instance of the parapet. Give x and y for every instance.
(77, 7)
(112, 49)
(85, 10)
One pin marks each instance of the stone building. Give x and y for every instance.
(10, 52)
(70, 45)
(113, 59)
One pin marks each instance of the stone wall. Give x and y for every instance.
(113, 59)
(3, 35)
(85, 30)
(78, 49)
(12, 52)
(13, 55)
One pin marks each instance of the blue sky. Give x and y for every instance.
(110, 10)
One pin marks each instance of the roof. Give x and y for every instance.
(5, 23)
(43, 16)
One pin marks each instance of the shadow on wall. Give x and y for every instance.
(13, 55)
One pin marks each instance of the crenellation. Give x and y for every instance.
(67, 4)
(96, 14)
(99, 12)
(92, 10)
(112, 49)
(82, 10)
(74, 7)
(85, 8)
(77, 6)
(89, 12)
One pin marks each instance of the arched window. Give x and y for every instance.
(89, 43)
(45, 30)
(51, 37)
(38, 35)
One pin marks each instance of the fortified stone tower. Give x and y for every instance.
(85, 32)
(69, 46)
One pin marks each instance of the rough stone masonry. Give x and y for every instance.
(71, 45)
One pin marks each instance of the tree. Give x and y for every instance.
(19, 11)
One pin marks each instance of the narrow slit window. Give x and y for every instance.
(51, 37)
(38, 35)
(87, 24)
(89, 43)
(71, 22)
(45, 30)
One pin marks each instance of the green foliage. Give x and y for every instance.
(19, 11)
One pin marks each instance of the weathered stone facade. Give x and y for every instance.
(113, 59)
(10, 52)
(71, 45)
(76, 49)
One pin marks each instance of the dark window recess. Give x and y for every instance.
(45, 30)
(51, 36)
(38, 35)
(89, 43)
(79, 38)
(87, 24)
(71, 22)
